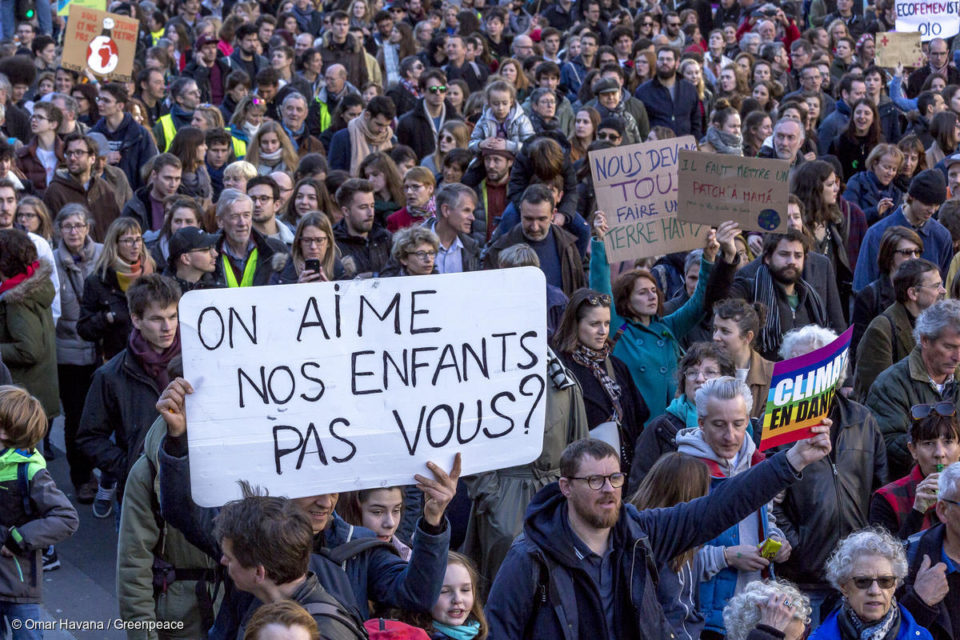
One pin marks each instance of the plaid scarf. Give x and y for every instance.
(596, 362)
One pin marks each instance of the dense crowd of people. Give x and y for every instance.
(263, 143)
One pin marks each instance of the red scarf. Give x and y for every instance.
(10, 283)
(155, 364)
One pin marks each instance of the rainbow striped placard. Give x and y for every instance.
(801, 391)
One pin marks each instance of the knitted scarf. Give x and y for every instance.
(682, 408)
(155, 364)
(725, 143)
(596, 362)
(459, 632)
(851, 626)
(424, 212)
(363, 142)
(128, 273)
(764, 290)
(411, 87)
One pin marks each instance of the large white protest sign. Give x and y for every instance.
(930, 18)
(326, 387)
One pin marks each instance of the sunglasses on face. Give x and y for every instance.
(943, 409)
(885, 582)
(436, 90)
(608, 136)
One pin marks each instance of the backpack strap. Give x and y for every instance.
(348, 550)
(333, 612)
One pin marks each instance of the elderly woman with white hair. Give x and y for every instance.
(767, 610)
(836, 490)
(867, 567)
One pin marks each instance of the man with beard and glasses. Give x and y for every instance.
(790, 300)
(671, 102)
(586, 565)
(77, 183)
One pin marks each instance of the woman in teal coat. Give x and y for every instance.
(646, 341)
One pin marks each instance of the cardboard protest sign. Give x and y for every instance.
(898, 48)
(636, 186)
(103, 43)
(715, 188)
(801, 392)
(930, 18)
(325, 387)
(63, 6)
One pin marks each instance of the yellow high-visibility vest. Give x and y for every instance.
(248, 271)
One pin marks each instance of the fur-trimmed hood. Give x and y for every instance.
(38, 288)
(352, 44)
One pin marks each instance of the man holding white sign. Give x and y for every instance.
(375, 573)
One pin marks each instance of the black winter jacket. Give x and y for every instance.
(416, 131)
(201, 73)
(102, 295)
(362, 255)
(657, 438)
(941, 619)
(833, 498)
(135, 146)
(121, 403)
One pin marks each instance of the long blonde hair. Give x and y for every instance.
(288, 156)
(111, 242)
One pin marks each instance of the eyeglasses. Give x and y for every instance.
(596, 482)
(943, 409)
(547, 103)
(423, 255)
(647, 24)
(70, 228)
(435, 89)
(884, 582)
(76, 152)
(257, 101)
(130, 241)
(37, 116)
(613, 137)
(314, 241)
(953, 502)
(263, 199)
(693, 374)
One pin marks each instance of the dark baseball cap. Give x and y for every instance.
(189, 239)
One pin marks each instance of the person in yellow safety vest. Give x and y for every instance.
(186, 96)
(246, 120)
(246, 255)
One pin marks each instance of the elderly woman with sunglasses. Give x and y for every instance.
(867, 567)
(615, 409)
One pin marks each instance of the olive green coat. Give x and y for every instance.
(28, 344)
